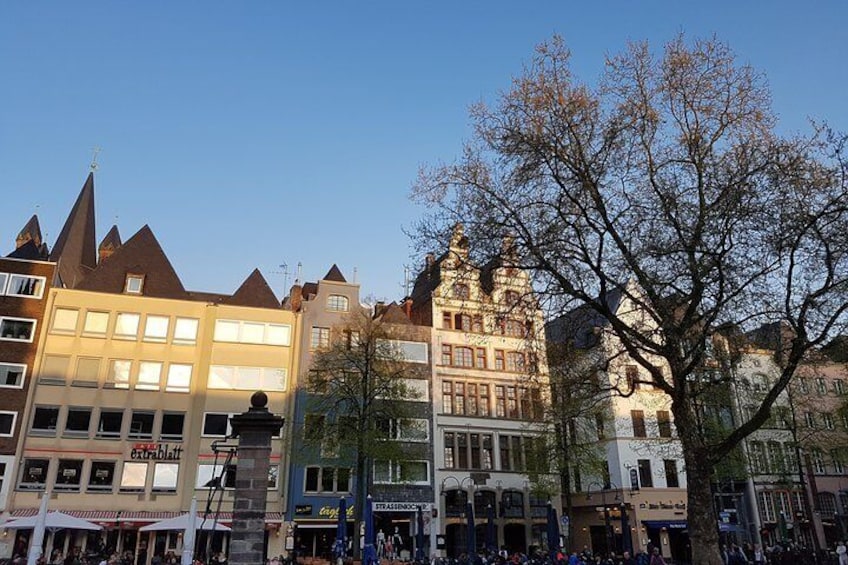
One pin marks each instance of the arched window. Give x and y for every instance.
(337, 303)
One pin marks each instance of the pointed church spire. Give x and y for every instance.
(76, 247)
(110, 244)
(30, 232)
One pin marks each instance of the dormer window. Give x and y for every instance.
(134, 284)
(337, 303)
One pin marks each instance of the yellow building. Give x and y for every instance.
(135, 380)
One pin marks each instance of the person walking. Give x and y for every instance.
(842, 553)
(657, 558)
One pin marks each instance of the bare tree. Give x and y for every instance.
(362, 390)
(669, 183)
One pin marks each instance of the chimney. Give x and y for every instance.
(296, 297)
(407, 307)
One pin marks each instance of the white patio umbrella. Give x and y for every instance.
(52, 521)
(181, 522)
(39, 522)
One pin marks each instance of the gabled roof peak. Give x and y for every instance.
(30, 232)
(334, 274)
(254, 291)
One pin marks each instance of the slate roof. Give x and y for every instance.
(111, 241)
(140, 255)
(427, 280)
(392, 313)
(31, 231)
(578, 325)
(334, 274)
(75, 249)
(254, 291)
(30, 252)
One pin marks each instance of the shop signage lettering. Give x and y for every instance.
(156, 452)
(332, 512)
(401, 506)
(303, 509)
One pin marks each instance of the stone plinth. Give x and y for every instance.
(254, 429)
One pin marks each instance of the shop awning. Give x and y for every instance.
(668, 524)
(95, 515)
(138, 516)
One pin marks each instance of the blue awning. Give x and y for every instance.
(669, 524)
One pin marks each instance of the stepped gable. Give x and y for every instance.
(335, 275)
(429, 279)
(75, 250)
(140, 255)
(254, 291)
(30, 232)
(394, 314)
(110, 244)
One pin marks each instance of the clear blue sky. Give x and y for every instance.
(251, 134)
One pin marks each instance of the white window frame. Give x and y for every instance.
(14, 423)
(21, 366)
(156, 337)
(270, 332)
(148, 385)
(397, 349)
(64, 311)
(395, 472)
(110, 376)
(4, 278)
(171, 387)
(203, 424)
(268, 377)
(323, 337)
(129, 284)
(338, 303)
(129, 315)
(14, 319)
(89, 314)
(37, 296)
(180, 324)
(165, 467)
(122, 486)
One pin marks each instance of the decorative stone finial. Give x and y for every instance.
(259, 400)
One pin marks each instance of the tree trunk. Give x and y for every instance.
(701, 517)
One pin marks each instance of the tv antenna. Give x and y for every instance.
(94, 165)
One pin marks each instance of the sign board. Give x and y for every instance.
(156, 452)
(402, 506)
(634, 479)
(564, 521)
(303, 510)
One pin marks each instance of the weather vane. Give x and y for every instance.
(96, 150)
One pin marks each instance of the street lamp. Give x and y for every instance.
(607, 526)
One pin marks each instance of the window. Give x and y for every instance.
(101, 477)
(664, 423)
(185, 330)
(69, 475)
(88, 369)
(165, 477)
(468, 450)
(247, 378)
(512, 456)
(110, 423)
(149, 375)
(408, 429)
(767, 513)
(408, 472)
(671, 478)
(511, 297)
(12, 375)
(480, 358)
(337, 303)
(407, 351)
(7, 423)
(141, 425)
(513, 328)
(65, 320)
(179, 378)
(96, 323)
(17, 329)
(172, 426)
(214, 475)
(134, 284)
(631, 373)
(512, 503)
(810, 419)
(777, 464)
(34, 474)
(827, 420)
(838, 461)
(821, 386)
(44, 420)
(802, 385)
(514, 361)
(133, 477)
(320, 338)
(462, 322)
(234, 331)
(126, 325)
(119, 373)
(499, 360)
(463, 357)
(327, 479)
(156, 328)
(461, 291)
(600, 426)
(638, 419)
(273, 476)
(78, 422)
(447, 321)
(4, 278)
(646, 479)
(818, 461)
(55, 368)
(216, 425)
(25, 286)
(759, 463)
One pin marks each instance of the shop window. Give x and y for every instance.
(68, 475)
(34, 474)
(133, 477)
(101, 477)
